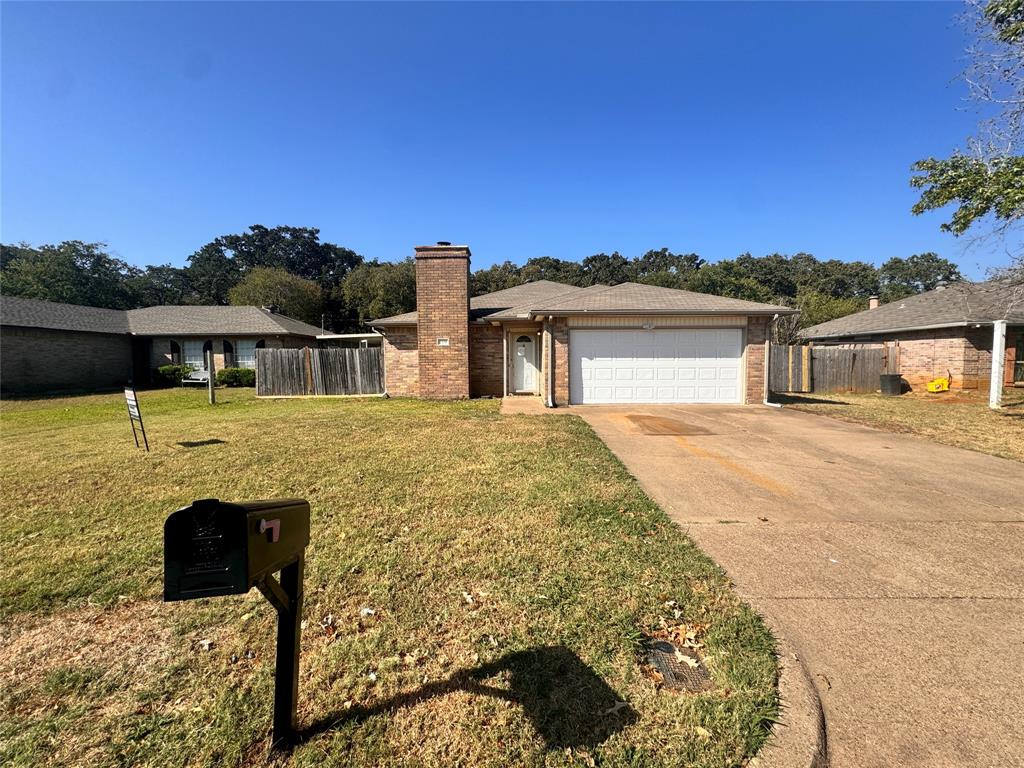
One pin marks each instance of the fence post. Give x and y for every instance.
(310, 388)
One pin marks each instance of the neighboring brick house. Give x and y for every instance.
(950, 331)
(50, 347)
(628, 343)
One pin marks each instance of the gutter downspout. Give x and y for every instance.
(383, 362)
(549, 338)
(995, 384)
(767, 364)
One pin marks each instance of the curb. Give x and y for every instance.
(798, 738)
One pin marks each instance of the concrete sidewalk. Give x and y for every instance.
(895, 565)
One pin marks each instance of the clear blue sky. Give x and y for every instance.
(521, 129)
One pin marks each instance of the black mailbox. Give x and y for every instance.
(216, 548)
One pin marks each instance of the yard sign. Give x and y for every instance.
(135, 415)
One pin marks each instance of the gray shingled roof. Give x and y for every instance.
(151, 321)
(547, 297)
(490, 303)
(34, 313)
(214, 320)
(637, 298)
(955, 305)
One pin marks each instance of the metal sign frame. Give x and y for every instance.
(135, 415)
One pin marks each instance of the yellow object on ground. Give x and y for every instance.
(938, 385)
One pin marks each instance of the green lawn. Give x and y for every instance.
(477, 589)
(955, 418)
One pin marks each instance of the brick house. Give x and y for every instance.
(628, 343)
(50, 347)
(950, 331)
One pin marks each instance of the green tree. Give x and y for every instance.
(915, 274)
(72, 272)
(218, 265)
(550, 268)
(272, 286)
(727, 278)
(985, 182)
(602, 269)
(211, 274)
(665, 268)
(374, 290)
(162, 284)
(496, 277)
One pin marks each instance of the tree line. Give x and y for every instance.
(316, 281)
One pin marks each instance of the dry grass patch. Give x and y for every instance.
(477, 589)
(960, 419)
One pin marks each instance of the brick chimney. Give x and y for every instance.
(872, 302)
(442, 305)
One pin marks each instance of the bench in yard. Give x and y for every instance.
(199, 376)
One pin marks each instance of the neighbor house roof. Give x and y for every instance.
(958, 304)
(212, 320)
(545, 297)
(34, 313)
(151, 321)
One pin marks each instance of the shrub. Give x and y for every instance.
(236, 377)
(171, 375)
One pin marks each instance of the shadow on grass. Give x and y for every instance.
(567, 702)
(200, 443)
(782, 399)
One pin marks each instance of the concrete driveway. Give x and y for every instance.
(895, 565)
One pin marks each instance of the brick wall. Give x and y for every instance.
(757, 332)
(442, 306)
(160, 352)
(964, 354)
(978, 354)
(486, 358)
(401, 362)
(559, 327)
(40, 360)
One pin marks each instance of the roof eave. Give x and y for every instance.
(703, 312)
(844, 334)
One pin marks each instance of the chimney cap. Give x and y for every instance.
(444, 242)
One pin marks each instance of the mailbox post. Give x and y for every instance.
(214, 548)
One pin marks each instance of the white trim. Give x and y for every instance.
(647, 322)
(995, 385)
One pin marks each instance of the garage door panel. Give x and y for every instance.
(660, 366)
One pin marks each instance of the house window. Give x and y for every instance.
(175, 353)
(229, 354)
(193, 354)
(363, 344)
(245, 352)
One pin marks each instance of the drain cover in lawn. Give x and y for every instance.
(680, 668)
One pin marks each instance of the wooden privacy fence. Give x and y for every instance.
(303, 372)
(849, 368)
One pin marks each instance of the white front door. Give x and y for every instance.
(658, 366)
(524, 364)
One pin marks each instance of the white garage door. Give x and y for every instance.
(659, 366)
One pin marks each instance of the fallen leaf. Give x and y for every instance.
(703, 732)
(683, 658)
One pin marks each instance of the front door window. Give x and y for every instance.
(524, 364)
